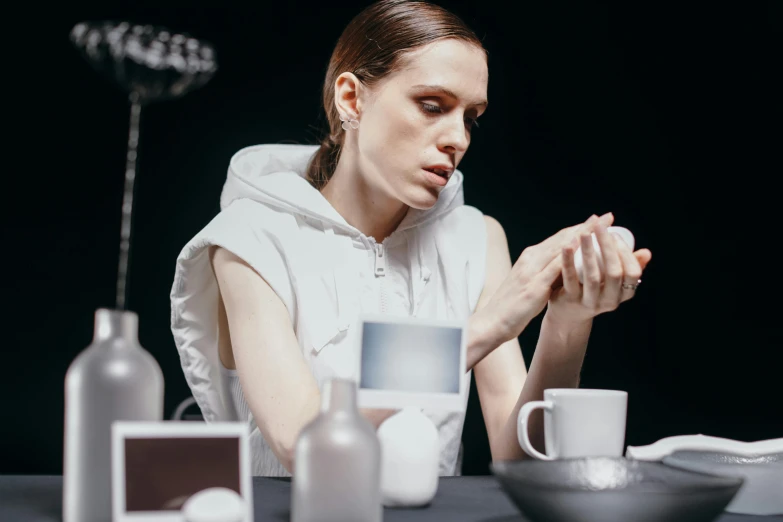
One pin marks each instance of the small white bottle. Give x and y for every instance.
(114, 378)
(337, 462)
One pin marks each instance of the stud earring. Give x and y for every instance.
(349, 123)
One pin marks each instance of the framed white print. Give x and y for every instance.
(157, 466)
(412, 362)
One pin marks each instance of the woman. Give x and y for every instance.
(373, 220)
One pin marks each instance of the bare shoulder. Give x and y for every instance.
(237, 280)
(495, 232)
(497, 243)
(229, 268)
(221, 257)
(498, 263)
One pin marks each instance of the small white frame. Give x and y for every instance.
(399, 399)
(124, 430)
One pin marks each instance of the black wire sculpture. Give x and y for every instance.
(150, 64)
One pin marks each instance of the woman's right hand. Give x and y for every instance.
(526, 290)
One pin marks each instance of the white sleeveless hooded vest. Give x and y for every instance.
(326, 273)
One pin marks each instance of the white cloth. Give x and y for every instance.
(323, 270)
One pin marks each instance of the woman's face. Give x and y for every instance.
(415, 125)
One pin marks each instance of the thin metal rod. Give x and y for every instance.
(127, 202)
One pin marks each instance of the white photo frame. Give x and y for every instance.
(221, 450)
(412, 362)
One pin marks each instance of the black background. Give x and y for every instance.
(666, 115)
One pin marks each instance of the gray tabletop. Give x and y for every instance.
(30, 498)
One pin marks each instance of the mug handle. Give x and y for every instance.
(522, 425)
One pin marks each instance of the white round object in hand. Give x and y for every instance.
(622, 233)
(410, 451)
(214, 505)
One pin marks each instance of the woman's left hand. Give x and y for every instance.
(603, 290)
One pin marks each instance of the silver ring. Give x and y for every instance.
(632, 286)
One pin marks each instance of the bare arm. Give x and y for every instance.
(502, 380)
(513, 295)
(278, 385)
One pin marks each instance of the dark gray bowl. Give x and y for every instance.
(608, 489)
(763, 474)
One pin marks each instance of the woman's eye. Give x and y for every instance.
(428, 107)
(434, 109)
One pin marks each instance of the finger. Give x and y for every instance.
(537, 257)
(556, 242)
(607, 219)
(591, 272)
(643, 256)
(558, 283)
(553, 245)
(551, 272)
(631, 268)
(570, 277)
(567, 235)
(534, 259)
(612, 266)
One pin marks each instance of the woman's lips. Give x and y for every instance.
(436, 179)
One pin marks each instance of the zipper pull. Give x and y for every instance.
(380, 261)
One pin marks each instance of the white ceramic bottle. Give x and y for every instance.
(114, 378)
(337, 462)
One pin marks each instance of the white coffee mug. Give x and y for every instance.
(577, 423)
